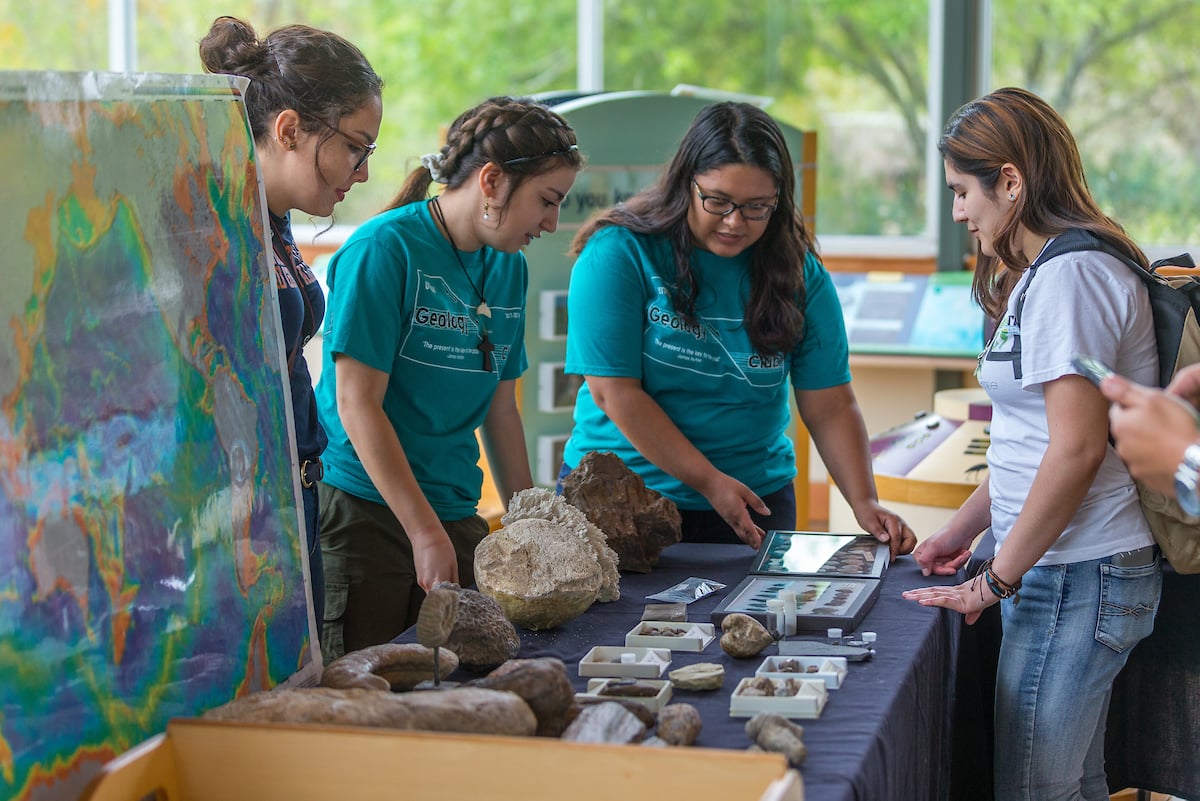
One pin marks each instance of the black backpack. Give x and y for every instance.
(1175, 304)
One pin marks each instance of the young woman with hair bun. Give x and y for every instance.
(315, 109)
(424, 342)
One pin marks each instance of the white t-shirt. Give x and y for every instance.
(1088, 303)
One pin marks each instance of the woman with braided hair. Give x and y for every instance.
(315, 109)
(424, 342)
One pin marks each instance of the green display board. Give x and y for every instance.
(627, 138)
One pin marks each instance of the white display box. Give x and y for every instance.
(691, 636)
(651, 702)
(808, 702)
(605, 660)
(829, 669)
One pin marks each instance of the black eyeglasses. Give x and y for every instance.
(522, 159)
(366, 149)
(723, 207)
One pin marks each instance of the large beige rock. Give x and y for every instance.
(637, 521)
(466, 709)
(541, 575)
(542, 504)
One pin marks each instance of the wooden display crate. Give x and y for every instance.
(203, 760)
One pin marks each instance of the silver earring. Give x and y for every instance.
(486, 206)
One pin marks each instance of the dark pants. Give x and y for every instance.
(371, 590)
(316, 572)
(705, 525)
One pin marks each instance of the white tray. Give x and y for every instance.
(829, 669)
(653, 702)
(693, 636)
(605, 660)
(808, 703)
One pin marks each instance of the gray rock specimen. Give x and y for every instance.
(541, 575)
(637, 521)
(542, 504)
(482, 636)
(462, 710)
(679, 724)
(390, 666)
(542, 683)
(777, 734)
(743, 636)
(605, 723)
(640, 711)
(699, 676)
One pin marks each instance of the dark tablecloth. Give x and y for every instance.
(886, 734)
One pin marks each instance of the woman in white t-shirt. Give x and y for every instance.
(1074, 557)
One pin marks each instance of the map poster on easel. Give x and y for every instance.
(151, 563)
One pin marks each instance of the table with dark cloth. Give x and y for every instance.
(885, 734)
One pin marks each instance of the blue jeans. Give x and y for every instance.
(316, 571)
(1062, 647)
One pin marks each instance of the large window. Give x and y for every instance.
(1123, 72)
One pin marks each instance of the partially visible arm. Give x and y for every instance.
(836, 426)
(1152, 429)
(360, 392)
(1077, 417)
(656, 437)
(503, 437)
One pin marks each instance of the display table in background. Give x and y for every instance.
(886, 734)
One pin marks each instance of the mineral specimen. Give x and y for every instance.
(544, 685)
(743, 636)
(698, 676)
(679, 724)
(390, 666)
(482, 636)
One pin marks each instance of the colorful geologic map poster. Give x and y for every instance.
(150, 541)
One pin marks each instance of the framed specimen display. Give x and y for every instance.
(824, 580)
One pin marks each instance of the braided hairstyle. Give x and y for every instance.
(318, 74)
(501, 130)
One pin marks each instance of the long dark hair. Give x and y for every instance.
(1015, 126)
(721, 134)
(522, 137)
(318, 74)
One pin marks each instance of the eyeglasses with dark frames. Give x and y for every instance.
(723, 207)
(522, 159)
(367, 150)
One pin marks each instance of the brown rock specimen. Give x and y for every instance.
(743, 636)
(390, 666)
(679, 724)
(776, 733)
(699, 676)
(605, 723)
(540, 575)
(482, 636)
(436, 618)
(637, 521)
(542, 504)
(544, 685)
(467, 709)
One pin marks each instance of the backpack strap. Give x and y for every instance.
(1066, 242)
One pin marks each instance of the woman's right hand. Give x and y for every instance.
(941, 554)
(730, 498)
(433, 557)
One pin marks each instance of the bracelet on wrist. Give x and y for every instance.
(999, 587)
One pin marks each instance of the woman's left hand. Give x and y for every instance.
(969, 598)
(886, 526)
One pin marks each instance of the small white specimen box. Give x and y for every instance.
(673, 636)
(829, 669)
(596, 687)
(807, 701)
(629, 662)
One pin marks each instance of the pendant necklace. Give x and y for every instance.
(485, 345)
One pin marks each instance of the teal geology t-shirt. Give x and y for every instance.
(399, 302)
(729, 401)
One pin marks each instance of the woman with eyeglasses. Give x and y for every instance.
(315, 108)
(424, 342)
(692, 306)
